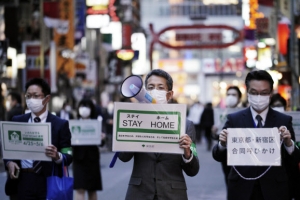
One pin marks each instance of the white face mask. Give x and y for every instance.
(35, 105)
(258, 102)
(279, 109)
(159, 95)
(68, 108)
(84, 112)
(231, 101)
(8, 105)
(110, 108)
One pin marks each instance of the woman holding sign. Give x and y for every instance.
(86, 167)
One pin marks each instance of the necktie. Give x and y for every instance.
(259, 123)
(37, 165)
(37, 120)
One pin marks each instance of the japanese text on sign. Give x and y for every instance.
(253, 146)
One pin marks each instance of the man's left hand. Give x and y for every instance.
(286, 136)
(51, 151)
(185, 143)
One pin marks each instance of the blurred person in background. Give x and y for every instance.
(195, 116)
(108, 123)
(207, 122)
(278, 103)
(233, 97)
(2, 106)
(13, 105)
(233, 100)
(86, 158)
(65, 112)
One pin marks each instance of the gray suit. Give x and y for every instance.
(161, 172)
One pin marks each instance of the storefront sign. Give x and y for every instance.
(210, 38)
(65, 41)
(33, 63)
(210, 65)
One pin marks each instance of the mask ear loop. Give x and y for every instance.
(168, 100)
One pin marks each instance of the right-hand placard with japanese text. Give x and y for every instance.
(253, 147)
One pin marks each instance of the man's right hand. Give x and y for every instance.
(12, 166)
(223, 137)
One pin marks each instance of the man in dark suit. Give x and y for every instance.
(257, 182)
(32, 179)
(65, 112)
(13, 105)
(160, 176)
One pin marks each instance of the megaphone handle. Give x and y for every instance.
(113, 161)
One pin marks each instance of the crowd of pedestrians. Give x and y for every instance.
(159, 175)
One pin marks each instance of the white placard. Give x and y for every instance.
(142, 127)
(253, 147)
(85, 132)
(21, 140)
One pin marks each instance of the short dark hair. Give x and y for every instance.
(277, 97)
(236, 88)
(88, 103)
(40, 82)
(161, 73)
(15, 96)
(260, 75)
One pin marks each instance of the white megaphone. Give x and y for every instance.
(132, 86)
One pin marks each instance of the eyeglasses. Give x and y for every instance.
(33, 96)
(261, 94)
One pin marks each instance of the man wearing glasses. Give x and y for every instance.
(32, 179)
(274, 183)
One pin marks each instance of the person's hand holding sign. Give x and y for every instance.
(223, 137)
(51, 151)
(285, 136)
(12, 168)
(185, 143)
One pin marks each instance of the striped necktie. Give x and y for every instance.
(37, 165)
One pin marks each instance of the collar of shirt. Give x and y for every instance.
(43, 116)
(263, 115)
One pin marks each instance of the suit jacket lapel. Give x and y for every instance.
(25, 117)
(247, 119)
(270, 119)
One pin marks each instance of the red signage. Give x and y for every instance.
(33, 65)
(194, 35)
(126, 36)
(209, 43)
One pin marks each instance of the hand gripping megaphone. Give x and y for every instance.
(132, 86)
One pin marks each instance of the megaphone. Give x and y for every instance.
(132, 86)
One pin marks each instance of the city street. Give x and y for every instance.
(208, 184)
